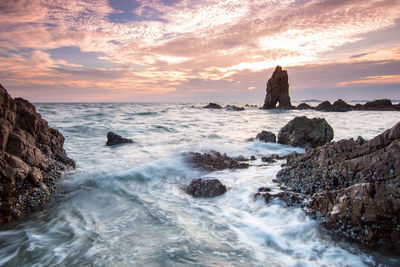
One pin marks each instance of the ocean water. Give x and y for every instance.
(124, 205)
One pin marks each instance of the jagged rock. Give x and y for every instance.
(115, 139)
(324, 106)
(233, 108)
(341, 106)
(205, 188)
(265, 136)
(353, 186)
(381, 104)
(31, 158)
(278, 90)
(214, 161)
(272, 158)
(305, 132)
(304, 106)
(213, 106)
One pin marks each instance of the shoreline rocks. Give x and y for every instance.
(114, 139)
(266, 137)
(277, 90)
(342, 106)
(205, 188)
(31, 158)
(214, 161)
(352, 186)
(305, 132)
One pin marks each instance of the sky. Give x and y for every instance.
(198, 51)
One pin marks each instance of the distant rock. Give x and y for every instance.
(115, 139)
(213, 106)
(305, 132)
(352, 186)
(214, 161)
(266, 137)
(205, 188)
(233, 108)
(380, 105)
(278, 90)
(304, 106)
(31, 158)
(324, 106)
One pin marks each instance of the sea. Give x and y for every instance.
(125, 205)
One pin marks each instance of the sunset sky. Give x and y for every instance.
(171, 50)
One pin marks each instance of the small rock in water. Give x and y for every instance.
(233, 108)
(213, 106)
(205, 188)
(266, 137)
(213, 161)
(115, 139)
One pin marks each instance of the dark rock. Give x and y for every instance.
(290, 198)
(251, 139)
(397, 106)
(324, 106)
(253, 158)
(304, 106)
(341, 106)
(353, 186)
(265, 136)
(304, 132)
(213, 161)
(272, 158)
(264, 189)
(213, 106)
(277, 90)
(381, 104)
(31, 158)
(115, 139)
(233, 108)
(205, 188)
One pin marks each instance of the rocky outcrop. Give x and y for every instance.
(214, 161)
(353, 186)
(213, 106)
(233, 108)
(305, 132)
(265, 136)
(342, 106)
(31, 158)
(277, 90)
(338, 106)
(114, 139)
(381, 105)
(205, 188)
(304, 106)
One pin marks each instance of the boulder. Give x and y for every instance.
(338, 106)
(233, 108)
(265, 136)
(31, 158)
(214, 161)
(278, 90)
(115, 139)
(324, 106)
(353, 186)
(213, 106)
(305, 132)
(380, 104)
(304, 106)
(205, 188)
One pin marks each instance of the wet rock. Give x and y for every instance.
(381, 104)
(205, 188)
(115, 139)
(265, 136)
(353, 186)
(277, 90)
(290, 198)
(324, 106)
(338, 106)
(305, 132)
(213, 106)
(214, 161)
(272, 158)
(233, 108)
(31, 158)
(304, 106)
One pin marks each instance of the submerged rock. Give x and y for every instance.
(214, 161)
(31, 158)
(305, 132)
(205, 188)
(265, 136)
(233, 108)
(213, 106)
(353, 186)
(115, 139)
(277, 90)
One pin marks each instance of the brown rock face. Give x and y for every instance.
(353, 186)
(278, 90)
(31, 158)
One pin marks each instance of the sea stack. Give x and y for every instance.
(278, 90)
(31, 158)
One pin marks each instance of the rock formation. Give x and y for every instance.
(265, 136)
(214, 161)
(213, 106)
(353, 186)
(304, 106)
(233, 108)
(115, 139)
(205, 188)
(277, 90)
(31, 158)
(305, 132)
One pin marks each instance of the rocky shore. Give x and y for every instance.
(352, 187)
(32, 158)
